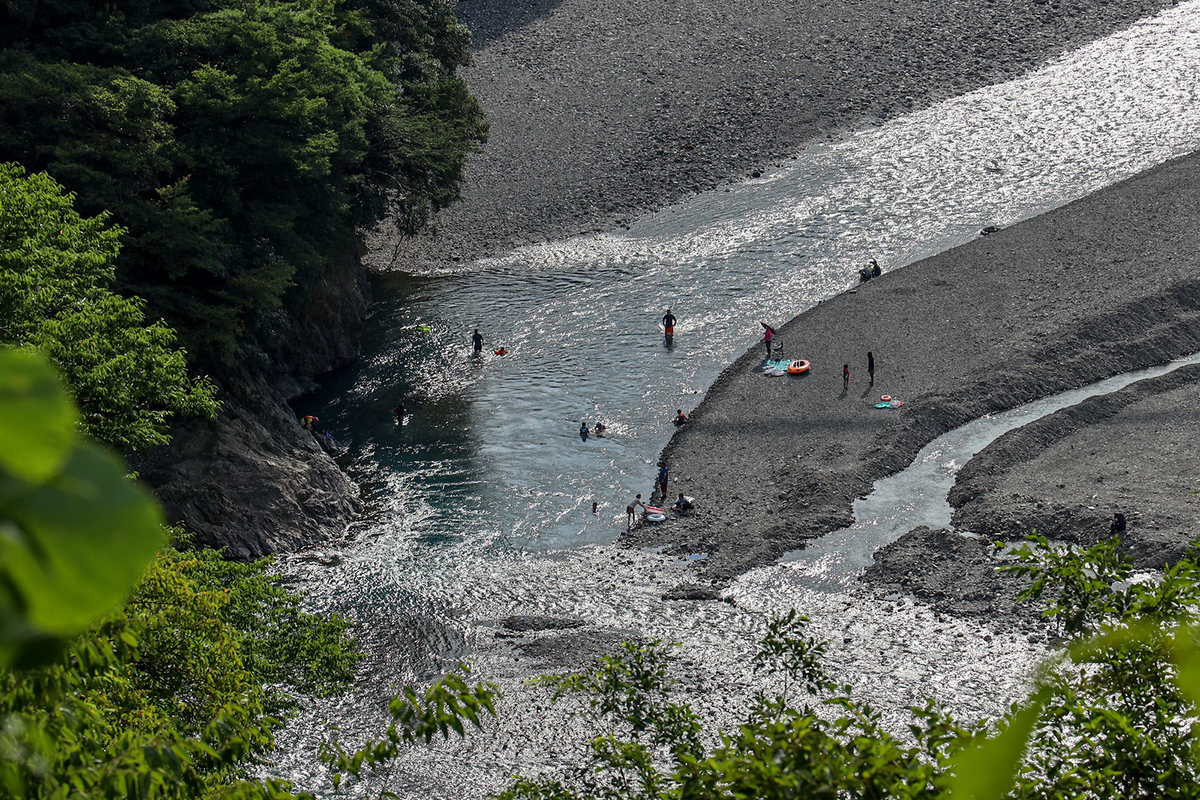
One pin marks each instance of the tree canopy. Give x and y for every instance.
(56, 273)
(242, 144)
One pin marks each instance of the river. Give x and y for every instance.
(481, 506)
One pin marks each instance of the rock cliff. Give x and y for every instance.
(253, 481)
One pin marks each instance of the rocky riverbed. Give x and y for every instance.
(602, 110)
(1067, 474)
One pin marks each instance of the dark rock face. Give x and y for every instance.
(253, 481)
(951, 572)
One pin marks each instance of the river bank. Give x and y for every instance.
(1101, 286)
(603, 111)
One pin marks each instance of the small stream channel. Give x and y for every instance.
(917, 495)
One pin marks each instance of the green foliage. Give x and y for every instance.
(786, 650)
(56, 269)
(172, 695)
(242, 143)
(1082, 582)
(168, 695)
(1112, 717)
(653, 747)
(443, 708)
(74, 533)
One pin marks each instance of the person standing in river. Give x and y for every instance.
(871, 367)
(669, 323)
(477, 341)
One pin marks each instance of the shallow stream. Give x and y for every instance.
(481, 505)
(917, 495)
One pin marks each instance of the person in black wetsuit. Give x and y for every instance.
(477, 341)
(669, 323)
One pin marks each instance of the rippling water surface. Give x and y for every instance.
(481, 505)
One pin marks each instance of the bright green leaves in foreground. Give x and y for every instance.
(56, 270)
(75, 534)
(186, 661)
(1112, 714)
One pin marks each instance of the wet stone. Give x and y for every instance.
(692, 591)
(525, 624)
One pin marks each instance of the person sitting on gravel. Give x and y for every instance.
(680, 418)
(875, 270)
(864, 275)
(683, 505)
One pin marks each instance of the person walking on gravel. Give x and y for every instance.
(871, 367)
(845, 376)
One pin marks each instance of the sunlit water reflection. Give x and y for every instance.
(481, 506)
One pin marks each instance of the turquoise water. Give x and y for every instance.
(481, 506)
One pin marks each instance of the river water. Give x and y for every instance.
(480, 507)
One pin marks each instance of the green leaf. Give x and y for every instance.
(1186, 655)
(88, 534)
(37, 419)
(986, 771)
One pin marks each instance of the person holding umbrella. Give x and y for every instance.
(768, 335)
